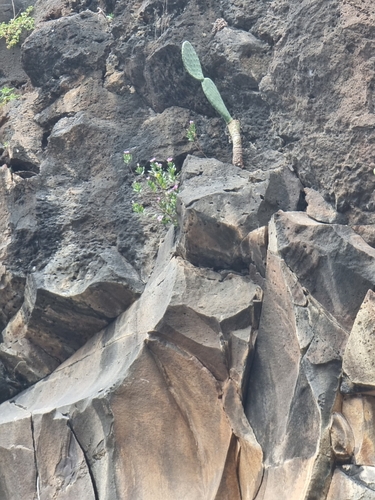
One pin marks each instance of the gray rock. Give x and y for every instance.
(358, 362)
(367, 232)
(152, 406)
(61, 311)
(319, 209)
(221, 204)
(294, 379)
(313, 86)
(331, 261)
(347, 483)
(161, 369)
(80, 43)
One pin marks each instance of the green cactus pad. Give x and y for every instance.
(191, 61)
(213, 95)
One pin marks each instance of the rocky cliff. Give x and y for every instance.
(230, 357)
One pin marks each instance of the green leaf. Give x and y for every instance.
(214, 97)
(191, 61)
(138, 208)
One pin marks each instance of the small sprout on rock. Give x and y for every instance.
(191, 132)
(127, 157)
(192, 136)
(7, 94)
(140, 170)
(138, 208)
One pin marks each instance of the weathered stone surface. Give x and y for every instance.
(249, 453)
(319, 209)
(220, 204)
(255, 245)
(294, 380)
(367, 232)
(342, 438)
(359, 411)
(351, 482)
(319, 88)
(333, 262)
(358, 362)
(79, 42)
(160, 373)
(62, 310)
(300, 78)
(66, 474)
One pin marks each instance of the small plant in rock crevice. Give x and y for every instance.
(192, 136)
(156, 189)
(12, 30)
(191, 132)
(7, 94)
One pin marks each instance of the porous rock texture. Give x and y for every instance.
(231, 356)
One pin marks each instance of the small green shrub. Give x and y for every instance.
(157, 189)
(12, 31)
(7, 94)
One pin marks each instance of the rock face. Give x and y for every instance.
(172, 365)
(230, 357)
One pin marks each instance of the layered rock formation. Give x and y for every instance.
(230, 357)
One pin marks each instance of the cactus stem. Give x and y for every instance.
(235, 134)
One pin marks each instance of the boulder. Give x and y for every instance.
(330, 260)
(295, 376)
(359, 412)
(59, 315)
(64, 49)
(158, 378)
(319, 209)
(352, 482)
(220, 205)
(358, 362)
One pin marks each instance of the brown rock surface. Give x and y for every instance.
(220, 205)
(160, 380)
(296, 371)
(358, 362)
(349, 484)
(219, 376)
(359, 411)
(342, 438)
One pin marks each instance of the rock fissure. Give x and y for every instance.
(37, 480)
(87, 462)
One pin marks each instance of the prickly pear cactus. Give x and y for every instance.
(213, 95)
(191, 61)
(194, 68)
